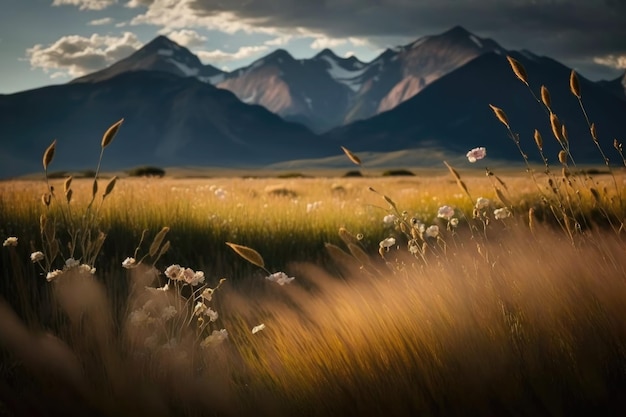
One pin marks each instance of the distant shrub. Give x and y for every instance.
(353, 173)
(291, 175)
(146, 171)
(87, 173)
(397, 172)
(57, 174)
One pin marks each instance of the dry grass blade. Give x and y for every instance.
(109, 187)
(158, 239)
(359, 253)
(453, 171)
(503, 198)
(500, 115)
(68, 195)
(556, 126)
(109, 135)
(538, 140)
(347, 237)
(248, 254)
(49, 154)
(355, 159)
(574, 84)
(594, 132)
(545, 97)
(518, 69)
(67, 184)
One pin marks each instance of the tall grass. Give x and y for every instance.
(464, 294)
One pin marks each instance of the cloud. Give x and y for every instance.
(613, 61)
(322, 42)
(221, 56)
(187, 37)
(100, 22)
(78, 55)
(86, 4)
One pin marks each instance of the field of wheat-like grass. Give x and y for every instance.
(450, 294)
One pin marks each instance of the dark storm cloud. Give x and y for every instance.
(574, 31)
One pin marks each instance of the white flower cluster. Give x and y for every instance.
(280, 278)
(70, 264)
(186, 275)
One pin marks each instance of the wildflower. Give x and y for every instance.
(482, 203)
(211, 314)
(129, 262)
(36, 256)
(86, 269)
(168, 313)
(280, 278)
(432, 231)
(445, 212)
(454, 222)
(200, 308)
(52, 275)
(173, 272)
(313, 206)
(166, 287)
(389, 220)
(258, 328)
(71, 263)
(387, 243)
(220, 193)
(413, 248)
(192, 277)
(10, 241)
(207, 294)
(476, 154)
(138, 317)
(217, 337)
(502, 213)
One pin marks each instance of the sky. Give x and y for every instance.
(44, 42)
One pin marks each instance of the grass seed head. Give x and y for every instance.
(556, 127)
(248, 254)
(48, 155)
(574, 84)
(594, 132)
(109, 135)
(67, 184)
(355, 159)
(563, 157)
(538, 140)
(545, 97)
(109, 187)
(500, 115)
(518, 69)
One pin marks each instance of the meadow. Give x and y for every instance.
(453, 292)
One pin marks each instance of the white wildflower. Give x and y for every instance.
(389, 220)
(168, 313)
(138, 317)
(476, 154)
(482, 203)
(207, 294)
(432, 231)
(173, 272)
(200, 308)
(258, 328)
(220, 193)
(280, 278)
(129, 262)
(445, 212)
(166, 287)
(86, 269)
(454, 222)
(217, 337)
(10, 241)
(413, 248)
(53, 275)
(502, 213)
(211, 314)
(387, 243)
(71, 263)
(313, 206)
(37, 256)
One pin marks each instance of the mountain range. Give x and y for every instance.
(433, 93)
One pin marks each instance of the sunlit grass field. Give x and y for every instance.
(456, 292)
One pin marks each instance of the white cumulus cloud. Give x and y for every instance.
(85, 4)
(187, 37)
(613, 61)
(100, 22)
(78, 55)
